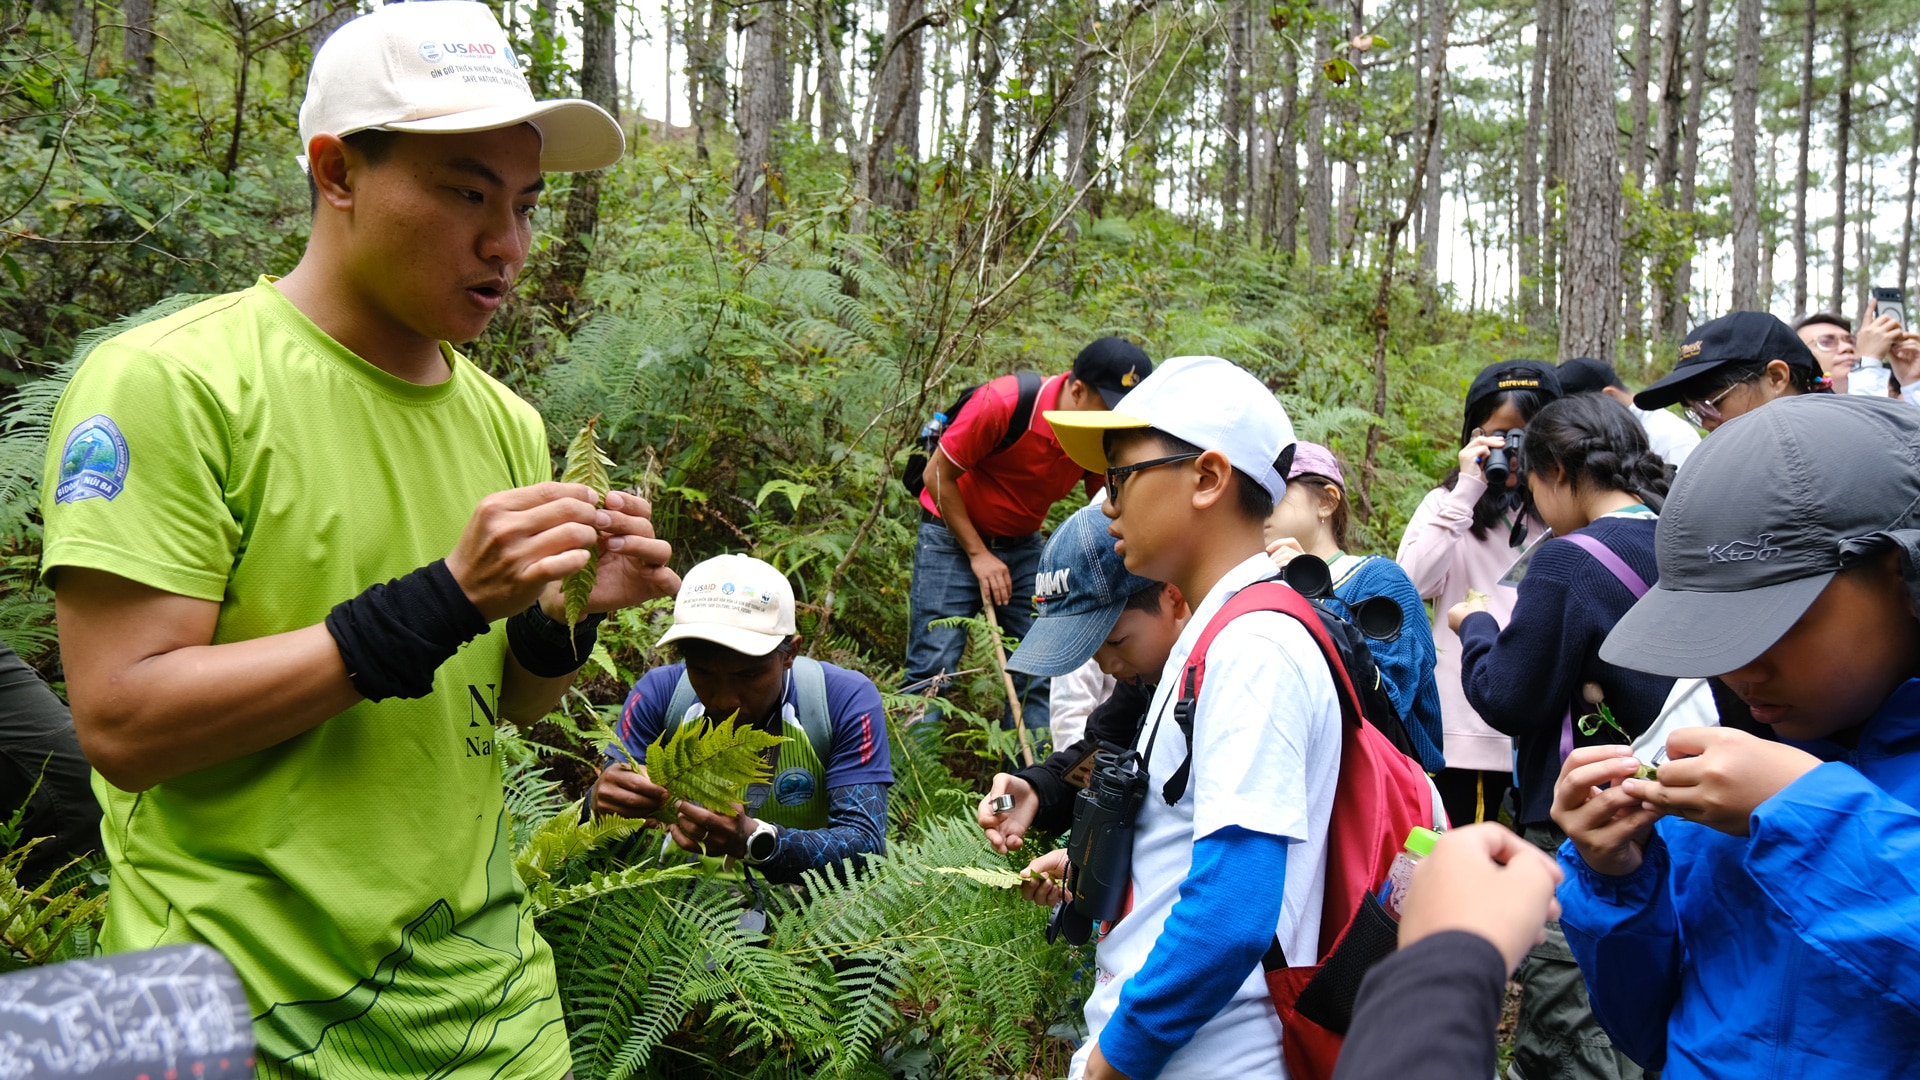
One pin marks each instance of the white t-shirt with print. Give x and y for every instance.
(1266, 756)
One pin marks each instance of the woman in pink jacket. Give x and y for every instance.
(1468, 534)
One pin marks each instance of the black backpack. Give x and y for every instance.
(1022, 418)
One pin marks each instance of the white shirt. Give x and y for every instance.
(1670, 436)
(1072, 698)
(1266, 755)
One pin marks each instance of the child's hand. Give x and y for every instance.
(1042, 878)
(1474, 454)
(1608, 825)
(1458, 613)
(1486, 880)
(1284, 551)
(1717, 776)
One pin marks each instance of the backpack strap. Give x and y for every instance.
(1268, 595)
(810, 692)
(1622, 573)
(1022, 417)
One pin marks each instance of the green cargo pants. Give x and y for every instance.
(1557, 1037)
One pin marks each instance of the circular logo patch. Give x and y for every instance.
(793, 787)
(430, 52)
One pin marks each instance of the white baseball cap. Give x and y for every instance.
(444, 68)
(736, 601)
(1212, 403)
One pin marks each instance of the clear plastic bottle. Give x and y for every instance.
(1419, 845)
(930, 434)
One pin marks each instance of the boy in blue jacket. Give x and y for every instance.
(1751, 911)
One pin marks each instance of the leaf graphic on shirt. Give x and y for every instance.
(711, 763)
(586, 464)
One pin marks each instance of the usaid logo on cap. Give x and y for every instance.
(435, 51)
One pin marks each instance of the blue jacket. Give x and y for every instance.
(1794, 952)
(1406, 662)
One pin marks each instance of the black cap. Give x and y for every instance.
(1113, 366)
(1586, 375)
(1765, 513)
(1513, 375)
(1729, 339)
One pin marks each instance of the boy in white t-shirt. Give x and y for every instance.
(1194, 458)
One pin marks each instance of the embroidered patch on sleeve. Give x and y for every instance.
(93, 463)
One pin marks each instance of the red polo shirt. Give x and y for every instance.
(1009, 493)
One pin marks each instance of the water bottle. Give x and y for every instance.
(1868, 378)
(930, 434)
(1419, 845)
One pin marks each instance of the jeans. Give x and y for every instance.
(39, 752)
(943, 587)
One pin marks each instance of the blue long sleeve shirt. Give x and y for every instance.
(1407, 662)
(1525, 679)
(1789, 952)
(1216, 933)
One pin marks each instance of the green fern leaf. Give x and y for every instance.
(992, 879)
(586, 464)
(710, 763)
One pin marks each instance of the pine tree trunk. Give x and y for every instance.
(1319, 172)
(136, 47)
(1590, 282)
(894, 149)
(1677, 310)
(1436, 173)
(1350, 120)
(1842, 144)
(1554, 170)
(1529, 197)
(1637, 143)
(323, 18)
(1230, 120)
(1800, 253)
(987, 103)
(1913, 173)
(1744, 199)
(1080, 105)
(85, 15)
(762, 71)
(1286, 157)
(833, 106)
(1666, 164)
(598, 84)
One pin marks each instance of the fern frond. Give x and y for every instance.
(564, 836)
(710, 763)
(586, 464)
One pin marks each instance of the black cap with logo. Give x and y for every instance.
(1513, 375)
(1113, 366)
(1765, 513)
(1729, 339)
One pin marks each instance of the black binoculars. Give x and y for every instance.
(1378, 617)
(1100, 851)
(1505, 461)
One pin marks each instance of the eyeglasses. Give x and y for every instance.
(1117, 475)
(1706, 409)
(1830, 342)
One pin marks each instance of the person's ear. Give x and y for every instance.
(1778, 376)
(1330, 497)
(787, 651)
(327, 164)
(1213, 479)
(1176, 602)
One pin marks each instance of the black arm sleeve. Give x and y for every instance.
(1115, 720)
(1429, 1010)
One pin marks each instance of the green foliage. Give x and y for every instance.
(710, 762)
(55, 920)
(586, 464)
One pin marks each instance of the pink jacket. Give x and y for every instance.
(1439, 553)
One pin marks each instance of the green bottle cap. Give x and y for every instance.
(1420, 841)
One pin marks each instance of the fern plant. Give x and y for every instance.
(55, 920)
(709, 762)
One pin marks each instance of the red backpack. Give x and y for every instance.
(1380, 795)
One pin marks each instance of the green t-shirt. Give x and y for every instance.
(359, 875)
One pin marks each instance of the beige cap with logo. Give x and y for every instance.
(736, 601)
(444, 68)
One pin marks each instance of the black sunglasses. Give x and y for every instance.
(1117, 475)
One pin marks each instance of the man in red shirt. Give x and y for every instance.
(982, 509)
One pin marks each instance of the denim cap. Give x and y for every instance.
(1316, 460)
(1080, 590)
(1765, 513)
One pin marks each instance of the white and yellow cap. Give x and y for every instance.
(444, 68)
(1212, 403)
(735, 601)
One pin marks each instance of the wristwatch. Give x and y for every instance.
(762, 842)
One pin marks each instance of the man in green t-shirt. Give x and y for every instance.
(306, 556)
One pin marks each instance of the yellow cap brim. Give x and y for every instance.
(1081, 433)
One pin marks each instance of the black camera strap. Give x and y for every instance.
(1183, 710)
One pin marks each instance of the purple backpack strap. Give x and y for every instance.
(1622, 573)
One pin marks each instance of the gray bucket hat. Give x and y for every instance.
(1767, 510)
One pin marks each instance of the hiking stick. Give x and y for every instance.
(1000, 661)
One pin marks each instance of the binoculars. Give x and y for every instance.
(1378, 617)
(1100, 852)
(1505, 461)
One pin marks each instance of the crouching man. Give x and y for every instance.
(733, 626)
